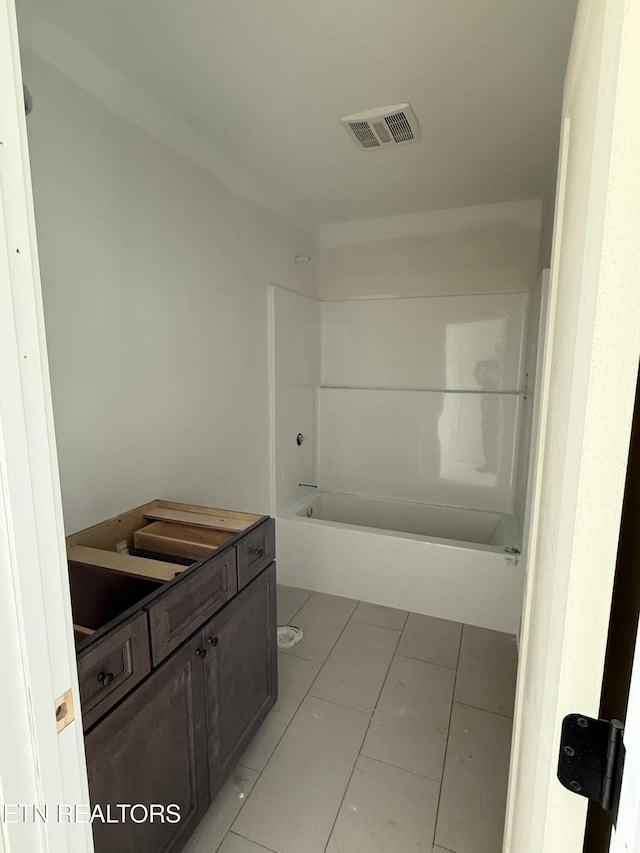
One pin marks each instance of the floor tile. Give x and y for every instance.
(221, 814)
(236, 844)
(322, 619)
(487, 670)
(385, 809)
(474, 786)
(376, 614)
(442, 850)
(354, 672)
(431, 639)
(410, 724)
(294, 804)
(295, 676)
(290, 600)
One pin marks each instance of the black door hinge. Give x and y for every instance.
(592, 759)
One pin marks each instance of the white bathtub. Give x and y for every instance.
(448, 562)
(471, 526)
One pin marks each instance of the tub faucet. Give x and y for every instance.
(308, 485)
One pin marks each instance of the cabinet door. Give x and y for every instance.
(152, 749)
(241, 672)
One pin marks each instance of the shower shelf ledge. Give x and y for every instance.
(421, 390)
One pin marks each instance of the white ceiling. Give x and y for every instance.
(266, 81)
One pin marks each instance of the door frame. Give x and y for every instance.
(38, 765)
(621, 687)
(626, 834)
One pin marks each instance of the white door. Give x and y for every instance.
(38, 765)
(588, 384)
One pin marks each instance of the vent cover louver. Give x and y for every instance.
(385, 126)
(400, 127)
(363, 133)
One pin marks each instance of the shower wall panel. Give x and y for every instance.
(444, 448)
(437, 343)
(296, 322)
(536, 328)
(421, 398)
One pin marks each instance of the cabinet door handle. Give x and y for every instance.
(213, 641)
(201, 653)
(256, 552)
(105, 678)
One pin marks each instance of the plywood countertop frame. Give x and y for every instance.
(180, 540)
(218, 519)
(126, 564)
(98, 545)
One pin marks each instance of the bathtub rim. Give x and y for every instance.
(509, 524)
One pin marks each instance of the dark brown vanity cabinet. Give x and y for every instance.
(177, 662)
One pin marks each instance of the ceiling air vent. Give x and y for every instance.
(395, 125)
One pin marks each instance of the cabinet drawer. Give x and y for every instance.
(177, 614)
(255, 552)
(110, 668)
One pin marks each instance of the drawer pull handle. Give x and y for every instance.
(256, 552)
(213, 641)
(105, 678)
(202, 653)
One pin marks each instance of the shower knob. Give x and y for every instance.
(299, 439)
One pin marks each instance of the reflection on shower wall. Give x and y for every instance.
(421, 398)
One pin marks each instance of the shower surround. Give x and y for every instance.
(401, 439)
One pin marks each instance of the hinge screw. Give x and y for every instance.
(568, 750)
(575, 786)
(582, 723)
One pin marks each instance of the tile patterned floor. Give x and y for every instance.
(391, 735)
